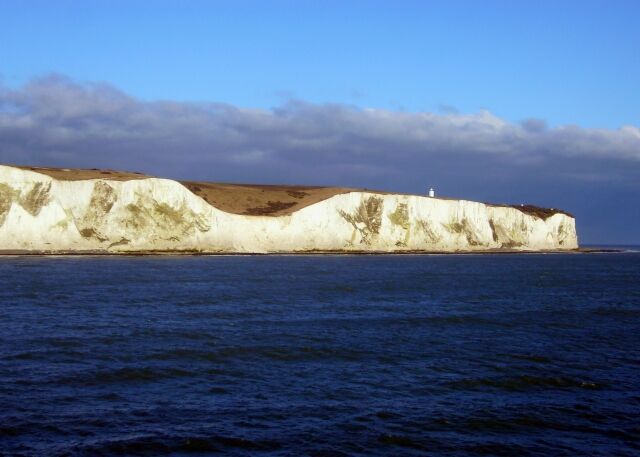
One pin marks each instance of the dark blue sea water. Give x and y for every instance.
(320, 355)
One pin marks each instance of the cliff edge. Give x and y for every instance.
(64, 210)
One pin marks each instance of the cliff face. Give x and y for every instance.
(41, 213)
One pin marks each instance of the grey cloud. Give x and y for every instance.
(56, 121)
(534, 125)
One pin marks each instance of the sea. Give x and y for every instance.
(345, 355)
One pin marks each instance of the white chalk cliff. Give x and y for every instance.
(39, 213)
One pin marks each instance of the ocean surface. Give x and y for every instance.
(528, 355)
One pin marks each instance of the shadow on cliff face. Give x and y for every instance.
(6, 200)
(367, 219)
(103, 197)
(32, 201)
(162, 221)
(400, 218)
(466, 228)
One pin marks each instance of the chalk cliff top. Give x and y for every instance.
(248, 199)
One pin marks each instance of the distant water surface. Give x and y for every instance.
(529, 355)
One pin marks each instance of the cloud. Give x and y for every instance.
(59, 122)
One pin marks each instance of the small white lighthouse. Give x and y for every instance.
(432, 193)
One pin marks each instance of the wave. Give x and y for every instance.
(526, 382)
(280, 353)
(616, 311)
(161, 445)
(123, 375)
(401, 440)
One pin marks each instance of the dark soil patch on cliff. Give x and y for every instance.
(261, 200)
(250, 199)
(80, 174)
(537, 211)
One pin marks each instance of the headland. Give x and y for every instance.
(92, 211)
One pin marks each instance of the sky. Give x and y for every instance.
(498, 101)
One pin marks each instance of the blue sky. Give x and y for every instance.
(498, 101)
(568, 62)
